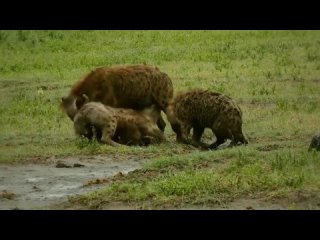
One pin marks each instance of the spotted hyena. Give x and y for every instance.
(315, 143)
(136, 87)
(200, 109)
(115, 126)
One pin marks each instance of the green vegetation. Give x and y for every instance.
(273, 75)
(198, 179)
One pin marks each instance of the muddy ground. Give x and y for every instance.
(39, 185)
(47, 184)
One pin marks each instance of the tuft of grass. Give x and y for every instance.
(270, 176)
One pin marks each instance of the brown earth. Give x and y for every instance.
(43, 182)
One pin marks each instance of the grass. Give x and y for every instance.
(273, 75)
(185, 182)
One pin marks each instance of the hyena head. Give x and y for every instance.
(68, 105)
(71, 104)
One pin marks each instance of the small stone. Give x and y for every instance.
(36, 188)
(62, 165)
(78, 165)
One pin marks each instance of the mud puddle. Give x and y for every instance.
(34, 186)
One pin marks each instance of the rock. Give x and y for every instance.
(78, 165)
(315, 143)
(62, 165)
(36, 188)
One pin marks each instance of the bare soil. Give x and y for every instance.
(39, 185)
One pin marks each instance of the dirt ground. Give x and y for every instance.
(36, 186)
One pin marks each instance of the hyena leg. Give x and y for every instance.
(185, 131)
(107, 134)
(222, 134)
(196, 137)
(161, 124)
(221, 131)
(238, 137)
(87, 132)
(97, 133)
(93, 132)
(82, 129)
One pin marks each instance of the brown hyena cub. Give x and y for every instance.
(136, 87)
(200, 109)
(116, 126)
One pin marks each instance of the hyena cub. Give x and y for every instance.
(200, 109)
(115, 126)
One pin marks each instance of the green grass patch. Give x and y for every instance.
(250, 174)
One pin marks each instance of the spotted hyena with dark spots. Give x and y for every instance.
(115, 126)
(200, 109)
(135, 87)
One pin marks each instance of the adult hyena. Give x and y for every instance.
(200, 109)
(136, 87)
